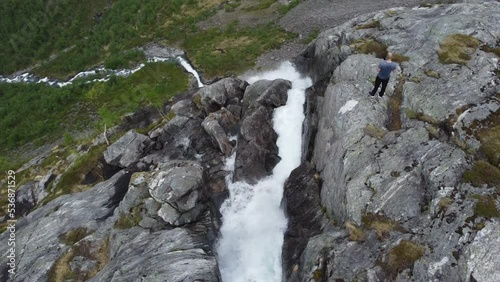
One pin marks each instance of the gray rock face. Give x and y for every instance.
(126, 150)
(257, 153)
(482, 255)
(38, 235)
(302, 207)
(401, 187)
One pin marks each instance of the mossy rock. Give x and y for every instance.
(403, 256)
(420, 116)
(482, 173)
(457, 49)
(372, 24)
(370, 46)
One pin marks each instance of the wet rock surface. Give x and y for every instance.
(257, 153)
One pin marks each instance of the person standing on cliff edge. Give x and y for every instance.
(384, 73)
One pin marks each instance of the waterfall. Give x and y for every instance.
(253, 221)
(107, 73)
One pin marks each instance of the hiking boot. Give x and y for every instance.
(372, 94)
(381, 95)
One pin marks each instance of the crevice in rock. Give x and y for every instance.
(394, 105)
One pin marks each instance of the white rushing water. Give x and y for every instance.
(249, 249)
(106, 73)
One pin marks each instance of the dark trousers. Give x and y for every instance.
(377, 84)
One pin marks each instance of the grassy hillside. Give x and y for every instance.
(62, 37)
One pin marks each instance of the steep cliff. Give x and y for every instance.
(410, 186)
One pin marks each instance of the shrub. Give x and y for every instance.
(486, 207)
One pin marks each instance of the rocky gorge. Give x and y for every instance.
(403, 188)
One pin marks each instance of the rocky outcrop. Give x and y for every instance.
(257, 153)
(302, 207)
(225, 92)
(402, 172)
(126, 150)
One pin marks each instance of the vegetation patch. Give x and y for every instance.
(398, 58)
(285, 8)
(129, 220)
(370, 46)
(73, 236)
(444, 203)
(381, 224)
(372, 24)
(260, 5)
(416, 79)
(356, 233)
(486, 207)
(431, 73)
(313, 35)
(403, 256)
(420, 116)
(61, 269)
(240, 49)
(374, 131)
(457, 49)
(482, 173)
(71, 179)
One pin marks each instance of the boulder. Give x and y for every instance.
(219, 136)
(218, 94)
(177, 187)
(126, 150)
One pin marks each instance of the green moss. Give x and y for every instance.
(403, 256)
(457, 49)
(73, 236)
(372, 24)
(482, 173)
(370, 46)
(398, 58)
(129, 220)
(485, 207)
(170, 115)
(431, 73)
